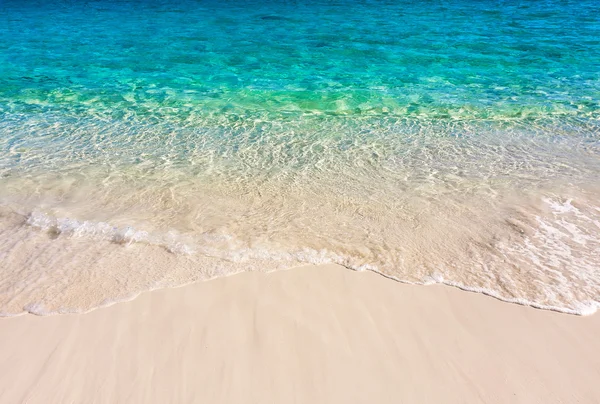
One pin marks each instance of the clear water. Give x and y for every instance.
(149, 144)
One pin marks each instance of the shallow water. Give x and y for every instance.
(152, 144)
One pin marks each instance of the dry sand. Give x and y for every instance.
(308, 335)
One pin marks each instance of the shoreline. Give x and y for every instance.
(589, 310)
(315, 333)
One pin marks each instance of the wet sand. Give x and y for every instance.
(316, 334)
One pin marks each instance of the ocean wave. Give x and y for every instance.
(169, 242)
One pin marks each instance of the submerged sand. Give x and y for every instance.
(317, 334)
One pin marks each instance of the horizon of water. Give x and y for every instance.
(157, 143)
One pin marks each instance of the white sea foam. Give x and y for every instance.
(547, 249)
(104, 231)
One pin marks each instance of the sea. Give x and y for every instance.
(149, 144)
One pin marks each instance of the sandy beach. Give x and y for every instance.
(316, 334)
(299, 202)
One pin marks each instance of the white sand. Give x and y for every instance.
(309, 335)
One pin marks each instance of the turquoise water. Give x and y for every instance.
(186, 61)
(148, 144)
